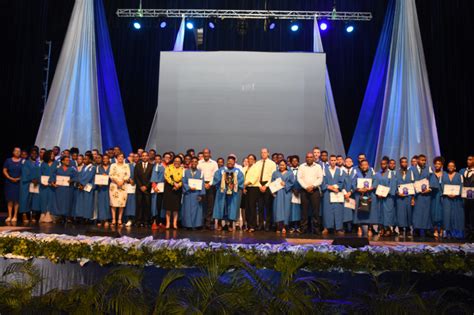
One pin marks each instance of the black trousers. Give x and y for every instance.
(143, 212)
(312, 199)
(208, 205)
(159, 203)
(258, 201)
(469, 214)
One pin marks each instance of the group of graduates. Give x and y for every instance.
(326, 193)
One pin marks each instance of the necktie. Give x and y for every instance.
(144, 165)
(261, 173)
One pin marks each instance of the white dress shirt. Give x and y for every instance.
(208, 168)
(310, 175)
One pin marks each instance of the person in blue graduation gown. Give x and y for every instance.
(349, 173)
(404, 201)
(295, 210)
(46, 195)
(103, 198)
(228, 181)
(436, 194)
(157, 177)
(422, 207)
(333, 212)
(30, 174)
(282, 198)
(385, 206)
(63, 195)
(364, 218)
(84, 206)
(453, 205)
(191, 210)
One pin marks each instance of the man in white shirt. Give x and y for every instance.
(208, 167)
(310, 178)
(257, 181)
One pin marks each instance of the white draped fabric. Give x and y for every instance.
(179, 42)
(408, 124)
(333, 138)
(71, 116)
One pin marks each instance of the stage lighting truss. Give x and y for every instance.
(244, 14)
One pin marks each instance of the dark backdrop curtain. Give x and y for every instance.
(445, 27)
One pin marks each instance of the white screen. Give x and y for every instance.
(239, 102)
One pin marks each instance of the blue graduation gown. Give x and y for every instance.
(46, 196)
(403, 204)
(131, 206)
(191, 209)
(227, 205)
(436, 203)
(282, 200)
(422, 208)
(348, 176)
(295, 210)
(103, 198)
(453, 215)
(84, 204)
(63, 205)
(332, 212)
(157, 176)
(30, 170)
(385, 206)
(362, 217)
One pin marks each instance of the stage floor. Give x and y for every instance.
(211, 236)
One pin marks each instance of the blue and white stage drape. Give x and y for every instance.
(179, 42)
(84, 106)
(397, 118)
(333, 139)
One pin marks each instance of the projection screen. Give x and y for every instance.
(239, 102)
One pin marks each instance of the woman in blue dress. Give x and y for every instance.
(30, 174)
(157, 177)
(295, 210)
(453, 206)
(385, 206)
(46, 195)
(103, 199)
(404, 201)
(365, 219)
(437, 193)
(84, 180)
(12, 173)
(282, 200)
(63, 195)
(191, 211)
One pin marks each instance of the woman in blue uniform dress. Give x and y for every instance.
(385, 206)
(30, 175)
(84, 204)
(282, 200)
(12, 173)
(46, 195)
(295, 210)
(191, 210)
(404, 201)
(63, 195)
(453, 206)
(157, 177)
(437, 193)
(364, 218)
(333, 212)
(103, 199)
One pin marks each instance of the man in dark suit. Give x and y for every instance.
(142, 174)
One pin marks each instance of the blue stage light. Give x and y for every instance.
(349, 28)
(137, 25)
(189, 25)
(272, 26)
(163, 24)
(212, 25)
(323, 26)
(294, 27)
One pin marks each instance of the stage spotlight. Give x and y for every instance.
(189, 25)
(137, 25)
(211, 25)
(163, 24)
(272, 26)
(323, 26)
(294, 27)
(349, 28)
